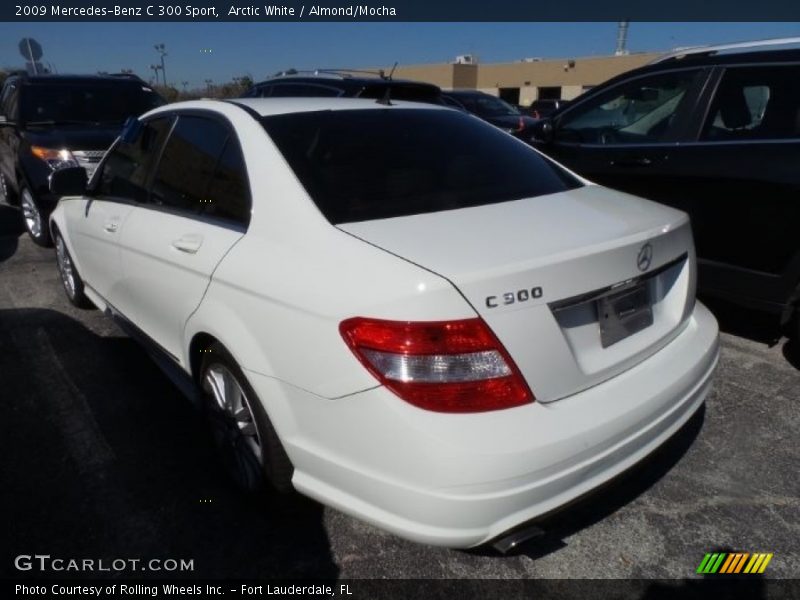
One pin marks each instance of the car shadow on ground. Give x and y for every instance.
(103, 458)
(600, 504)
(754, 325)
(11, 228)
(743, 322)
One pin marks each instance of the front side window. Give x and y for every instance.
(636, 112)
(127, 167)
(755, 103)
(359, 165)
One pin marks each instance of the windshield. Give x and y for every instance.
(489, 106)
(82, 102)
(359, 165)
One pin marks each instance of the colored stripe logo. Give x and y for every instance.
(735, 562)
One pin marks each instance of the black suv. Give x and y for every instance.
(492, 109)
(714, 132)
(544, 108)
(346, 84)
(50, 122)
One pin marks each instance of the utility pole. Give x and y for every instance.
(162, 50)
(155, 69)
(184, 84)
(208, 83)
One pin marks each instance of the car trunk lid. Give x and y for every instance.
(557, 276)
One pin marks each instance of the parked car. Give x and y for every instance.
(397, 310)
(492, 109)
(714, 132)
(51, 122)
(539, 109)
(343, 84)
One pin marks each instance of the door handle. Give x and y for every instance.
(641, 161)
(189, 243)
(111, 225)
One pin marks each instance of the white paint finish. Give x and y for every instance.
(161, 284)
(92, 229)
(276, 295)
(462, 480)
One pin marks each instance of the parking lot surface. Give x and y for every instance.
(102, 457)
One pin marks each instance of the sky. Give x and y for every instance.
(221, 51)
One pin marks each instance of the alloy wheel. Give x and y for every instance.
(233, 424)
(31, 214)
(65, 267)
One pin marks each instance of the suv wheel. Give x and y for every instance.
(244, 435)
(35, 221)
(73, 284)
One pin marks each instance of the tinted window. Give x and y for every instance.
(126, 169)
(371, 164)
(402, 91)
(228, 190)
(187, 164)
(756, 103)
(638, 111)
(487, 106)
(101, 102)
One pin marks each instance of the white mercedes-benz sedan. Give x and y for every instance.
(394, 308)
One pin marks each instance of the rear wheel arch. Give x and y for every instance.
(277, 466)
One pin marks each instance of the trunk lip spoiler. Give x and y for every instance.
(594, 295)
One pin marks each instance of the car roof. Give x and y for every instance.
(278, 106)
(700, 59)
(53, 78)
(335, 78)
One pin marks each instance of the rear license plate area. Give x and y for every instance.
(623, 313)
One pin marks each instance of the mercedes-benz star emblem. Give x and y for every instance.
(645, 257)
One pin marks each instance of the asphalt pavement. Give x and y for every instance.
(102, 457)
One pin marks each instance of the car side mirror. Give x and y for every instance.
(543, 131)
(68, 182)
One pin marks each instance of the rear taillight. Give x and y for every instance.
(444, 366)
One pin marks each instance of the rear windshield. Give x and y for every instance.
(82, 102)
(359, 165)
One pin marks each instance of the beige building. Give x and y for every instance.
(524, 81)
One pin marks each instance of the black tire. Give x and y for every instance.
(242, 461)
(70, 278)
(7, 195)
(34, 219)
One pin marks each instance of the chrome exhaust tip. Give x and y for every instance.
(512, 539)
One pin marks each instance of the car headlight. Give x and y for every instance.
(55, 159)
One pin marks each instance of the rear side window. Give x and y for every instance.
(755, 103)
(201, 172)
(228, 189)
(379, 163)
(127, 167)
(188, 163)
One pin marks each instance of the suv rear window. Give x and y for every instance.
(82, 102)
(359, 165)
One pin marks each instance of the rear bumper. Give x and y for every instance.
(462, 480)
